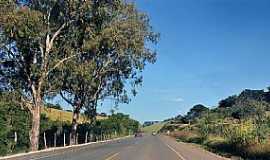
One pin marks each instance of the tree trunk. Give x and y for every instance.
(34, 132)
(75, 119)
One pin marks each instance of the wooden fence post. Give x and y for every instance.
(64, 139)
(77, 135)
(45, 141)
(54, 140)
(15, 137)
(86, 137)
(90, 137)
(69, 138)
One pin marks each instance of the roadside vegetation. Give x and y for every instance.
(239, 126)
(15, 124)
(80, 51)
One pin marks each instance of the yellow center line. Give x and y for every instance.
(112, 156)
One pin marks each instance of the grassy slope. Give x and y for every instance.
(153, 128)
(65, 116)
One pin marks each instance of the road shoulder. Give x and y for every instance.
(57, 150)
(189, 151)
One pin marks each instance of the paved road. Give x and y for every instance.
(145, 148)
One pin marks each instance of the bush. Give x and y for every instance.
(240, 134)
(187, 136)
(16, 121)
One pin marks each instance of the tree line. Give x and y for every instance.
(15, 127)
(83, 51)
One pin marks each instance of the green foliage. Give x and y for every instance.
(251, 126)
(228, 102)
(114, 52)
(86, 50)
(19, 120)
(244, 97)
(240, 134)
(196, 112)
(24, 43)
(239, 126)
(121, 123)
(35, 41)
(55, 106)
(13, 119)
(204, 126)
(261, 121)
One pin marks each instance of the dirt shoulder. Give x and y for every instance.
(189, 151)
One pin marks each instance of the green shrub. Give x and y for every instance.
(240, 134)
(13, 120)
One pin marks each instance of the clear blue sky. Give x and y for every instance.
(209, 49)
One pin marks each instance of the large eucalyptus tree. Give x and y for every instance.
(85, 50)
(35, 41)
(114, 41)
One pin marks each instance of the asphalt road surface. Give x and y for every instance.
(144, 148)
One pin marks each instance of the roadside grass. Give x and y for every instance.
(153, 128)
(220, 146)
(64, 116)
(186, 136)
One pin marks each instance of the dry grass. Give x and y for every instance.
(220, 146)
(187, 136)
(258, 151)
(183, 134)
(153, 128)
(64, 116)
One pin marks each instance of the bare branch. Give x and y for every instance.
(26, 104)
(49, 44)
(66, 99)
(61, 62)
(59, 30)
(57, 33)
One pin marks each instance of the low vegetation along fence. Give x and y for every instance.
(15, 127)
(245, 139)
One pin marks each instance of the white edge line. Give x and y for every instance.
(59, 148)
(211, 153)
(177, 153)
(47, 156)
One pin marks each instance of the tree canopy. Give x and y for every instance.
(82, 50)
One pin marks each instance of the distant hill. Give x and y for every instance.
(244, 96)
(153, 128)
(235, 106)
(65, 116)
